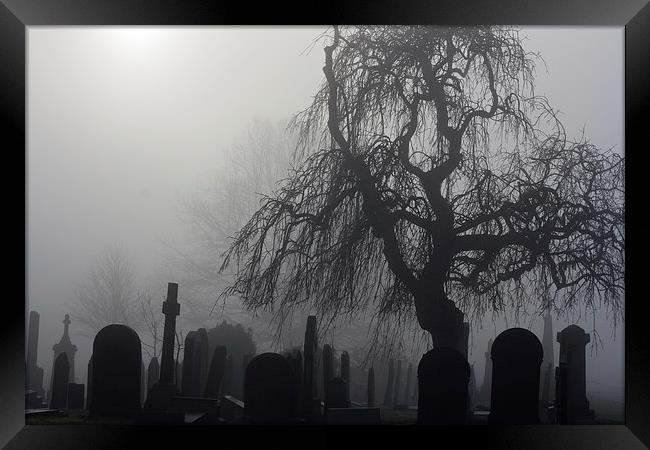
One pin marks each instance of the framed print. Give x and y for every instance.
(245, 218)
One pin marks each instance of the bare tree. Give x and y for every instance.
(433, 182)
(108, 294)
(151, 323)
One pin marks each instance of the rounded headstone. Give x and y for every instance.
(443, 374)
(516, 357)
(116, 372)
(267, 389)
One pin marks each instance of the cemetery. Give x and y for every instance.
(310, 385)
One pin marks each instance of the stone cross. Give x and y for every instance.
(170, 309)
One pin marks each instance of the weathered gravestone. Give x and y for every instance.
(268, 390)
(191, 366)
(345, 372)
(59, 396)
(371, 388)
(337, 394)
(573, 404)
(75, 396)
(328, 368)
(216, 372)
(311, 402)
(516, 357)
(443, 375)
(116, 372)
(388, 395)
(153, 373)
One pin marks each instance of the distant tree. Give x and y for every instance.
(238, 341)
(108, 294)
(151, 323)
(433, 182)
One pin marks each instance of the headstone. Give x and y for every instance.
(388, 396)
(573, 340)
(409, 376)
(296, 363)
(191, 376)
(216, 372)
(170, 309)
(337, 394)
(153, 373)
(516, 357)
(345, 372)
(486, 387)
(371, 388)
(75, 396)
(59, 397)
(227, 383)
(310, 368)
(204, 357)
(268, 390)
(548, 363)
(33, 373)
(398, 376)
(328, 367)
(64, 346)
(443, 375)
(116, 372)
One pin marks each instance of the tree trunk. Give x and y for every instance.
(442, 319)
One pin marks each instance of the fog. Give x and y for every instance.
(123, 122)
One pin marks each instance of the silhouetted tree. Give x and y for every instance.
(433, 180)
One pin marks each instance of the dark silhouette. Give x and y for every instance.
(573, 403)
(443, 375)
(116, 372)
(371, 387)
(216, 372)
(267, 390)
(60, 376)
(75, 396)
(516, 357)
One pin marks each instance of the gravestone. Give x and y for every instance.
(33, 373)
(398, 376)
(296, 363)
(486, 387)
(328, 368)
(371, 387)
(204, 358)
(573, 340)
(153, 373)
(443, 375)
(388, 395)
(227, 383)
(309, 395)
(116, 372)
(516, 357)
(268, 390)
(547, 386)
(64, 346)
(191, 365)
(59, 397)
(345, 372)
(75, 396)
(337, 394)
(216, 372)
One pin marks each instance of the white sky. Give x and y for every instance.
(123, 121)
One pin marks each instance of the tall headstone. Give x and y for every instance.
(398, 381)
(153, 373)
(170, 309)
(33, 373)
(117, 366)
(59, 397)
(216, 372)
(409, 376)
(371, 387)
(345, 372)
(328, 367)
(516, 357)
(547, 386)
(486, 387)
(573, 340)
(388, 395)
(443, 375)
(268, 390)
(204, 357)
(191, 376)
(310, 368)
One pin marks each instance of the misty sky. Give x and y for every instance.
(125, 121)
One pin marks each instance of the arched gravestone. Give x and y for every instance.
(516, 358)
(116, 372)
(443, 374)
(215, 375)
(60, 377)
(268, 390)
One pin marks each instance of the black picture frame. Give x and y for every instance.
(16, 15)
